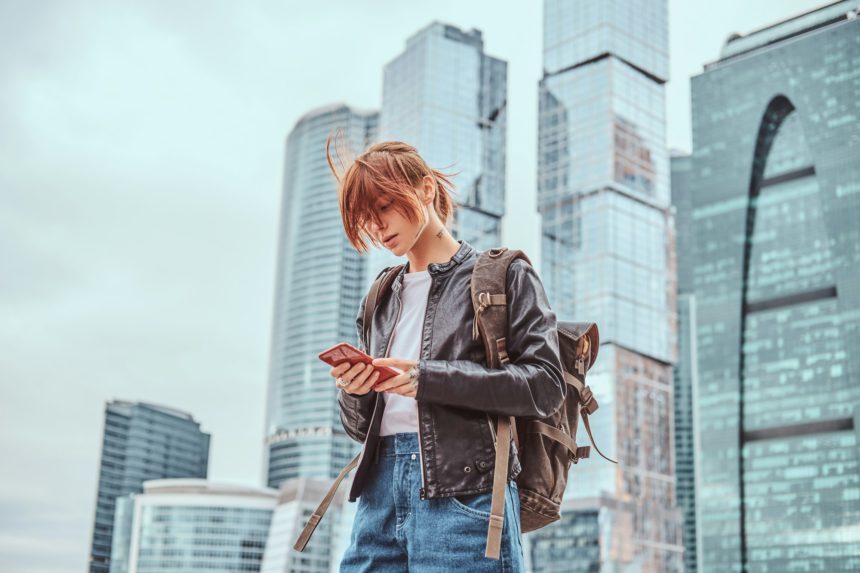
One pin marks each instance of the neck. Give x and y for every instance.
(432, 246)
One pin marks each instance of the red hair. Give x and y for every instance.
(391, 169)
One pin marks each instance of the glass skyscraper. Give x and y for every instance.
(141, 442)
(194, 525)
(318, 290)
(448, 99)
(774, 251)
(608, 256)
(684, 373)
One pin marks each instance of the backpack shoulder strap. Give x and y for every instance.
(377, 290)
(489, 299)
(317, 515)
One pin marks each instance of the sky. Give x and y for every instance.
(141, 151)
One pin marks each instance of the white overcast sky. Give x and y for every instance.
(141, 151)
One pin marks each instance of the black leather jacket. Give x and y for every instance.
(458, 396)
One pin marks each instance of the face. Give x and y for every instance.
(396, 232)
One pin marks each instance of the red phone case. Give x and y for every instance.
(345, 352)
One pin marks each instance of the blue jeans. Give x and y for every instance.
(396, 531)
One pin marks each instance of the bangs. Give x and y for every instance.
(389, 172)
(365, 186)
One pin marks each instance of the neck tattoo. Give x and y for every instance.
(439, 234)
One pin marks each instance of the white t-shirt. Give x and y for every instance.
(401, 412)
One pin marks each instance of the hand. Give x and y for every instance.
(358, 378)
(403, 384)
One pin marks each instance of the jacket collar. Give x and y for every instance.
(439, 268)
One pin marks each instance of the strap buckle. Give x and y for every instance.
(587, 401)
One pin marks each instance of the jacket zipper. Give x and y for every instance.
(492, 429)
(422, 495)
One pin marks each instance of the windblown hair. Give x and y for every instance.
(389, 170)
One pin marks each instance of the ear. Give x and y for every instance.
(428, 185)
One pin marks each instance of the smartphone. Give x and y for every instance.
(345, 352)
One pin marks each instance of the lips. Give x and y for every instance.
(389, 238)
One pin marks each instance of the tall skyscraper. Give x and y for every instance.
(684, 372)
(318, 290)
(774, 253)
(141, 442)
(194, 525)
(608, 256)
(447, 98)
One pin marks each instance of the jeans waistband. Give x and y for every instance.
(399, 443)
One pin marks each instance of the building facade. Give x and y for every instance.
(318, 290)
(195, 525)
(297, 500)
(608, 256)
(685, 372)
(141, 442)
(447, 98)
(774, 240)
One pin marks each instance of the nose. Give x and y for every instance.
(376, 227)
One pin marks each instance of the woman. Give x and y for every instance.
(425, 477)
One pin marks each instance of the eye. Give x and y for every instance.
(384, 207)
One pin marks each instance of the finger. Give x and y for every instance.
(395, 362)
(403, 390)
(392, 382)
(355, 370)
(361, 377)
(353, 386)
(388, 361)
(340, 369)
(368, 384)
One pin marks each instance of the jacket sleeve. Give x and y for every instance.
(356, 411)
(531, 384)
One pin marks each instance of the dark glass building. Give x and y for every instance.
(141, 442)
(773, 254)
(685, 432)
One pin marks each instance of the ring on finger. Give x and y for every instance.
(342, 383)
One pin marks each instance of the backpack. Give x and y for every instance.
(546, 447)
